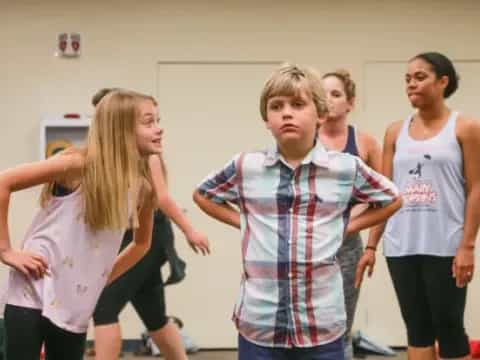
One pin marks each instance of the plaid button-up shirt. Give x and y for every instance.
(292, 224)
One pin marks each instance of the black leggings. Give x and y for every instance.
(432, 305)
(142, 285)
(27, 330)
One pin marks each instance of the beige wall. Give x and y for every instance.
(123, 42)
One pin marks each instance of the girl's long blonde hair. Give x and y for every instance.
(116, 178)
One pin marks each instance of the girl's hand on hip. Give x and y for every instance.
(28, 263)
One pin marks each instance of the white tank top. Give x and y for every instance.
(429, 174)
(80, 262)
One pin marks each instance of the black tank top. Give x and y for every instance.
(351, 248)
(351, 147)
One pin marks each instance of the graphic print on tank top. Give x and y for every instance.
(419, 190)
(429, 174)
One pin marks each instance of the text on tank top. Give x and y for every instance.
(429, 174)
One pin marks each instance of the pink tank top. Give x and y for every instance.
(79, 264)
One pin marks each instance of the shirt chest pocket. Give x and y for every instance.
(317, 204)
(338, 194)
(323, 193)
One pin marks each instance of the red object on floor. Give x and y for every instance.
(475, 348)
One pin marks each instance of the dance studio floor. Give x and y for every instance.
(232, 355)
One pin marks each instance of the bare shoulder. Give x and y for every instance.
(73, 161)
(394, 128)
(147, 193)
(467, 128)
(77, 158)
(366, 140)
(154, 160)
(370, 150)
(155, 165)
(392, 132)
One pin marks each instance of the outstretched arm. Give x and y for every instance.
(196, 240)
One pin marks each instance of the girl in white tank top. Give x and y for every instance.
(69, 252)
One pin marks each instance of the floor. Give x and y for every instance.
(232, 355)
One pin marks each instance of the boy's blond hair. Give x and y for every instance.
(289, 80)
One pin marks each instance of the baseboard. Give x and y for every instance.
(131, 345)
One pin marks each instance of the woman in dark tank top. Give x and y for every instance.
(336, 134)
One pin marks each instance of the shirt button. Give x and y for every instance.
(289, 275)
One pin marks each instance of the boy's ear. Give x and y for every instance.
(267, 124)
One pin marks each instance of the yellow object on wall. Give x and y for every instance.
(56, 146)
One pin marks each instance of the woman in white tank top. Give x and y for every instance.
(430, 242)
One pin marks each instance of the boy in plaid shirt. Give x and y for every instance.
(293, 203)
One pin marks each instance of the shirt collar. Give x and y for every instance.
(318, 155)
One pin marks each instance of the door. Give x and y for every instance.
(210, 112)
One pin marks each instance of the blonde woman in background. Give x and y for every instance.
(336, 133)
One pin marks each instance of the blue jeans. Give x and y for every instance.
(251, 351)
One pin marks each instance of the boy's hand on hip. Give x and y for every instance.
(28, 263)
